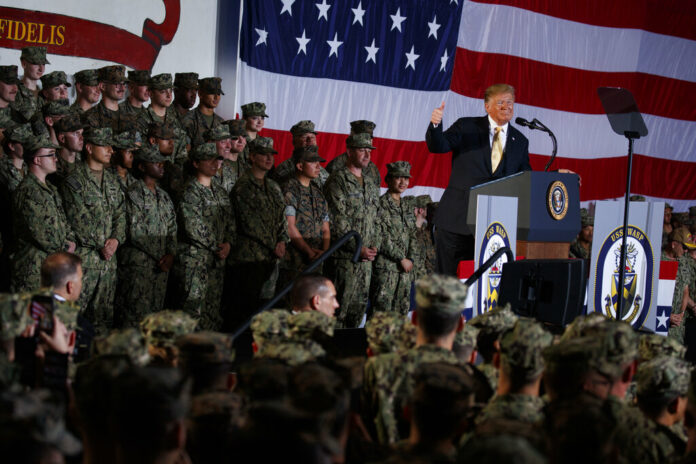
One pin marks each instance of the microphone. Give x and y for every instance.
(525, 123)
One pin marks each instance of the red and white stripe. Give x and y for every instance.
(556, 54)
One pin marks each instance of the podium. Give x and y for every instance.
(548, 211)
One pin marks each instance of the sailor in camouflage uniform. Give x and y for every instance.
(307, 214)
(122, 159)
(662, 387)
(205, 236)
(392, 271)
(106, 113)
(69, 132)
(303, 135)
(185, 92)
(33, 60)
(12, 170)
(353, 200)
(9, 83)
(254, 117)
(161, 112)
(138, 93)
(148, 255)
(389, 380)
(87, 91)
(425, 262)
(163, 137)
(93, 202)
(262, 233)
(228, 174)
(682, 307)
(581, 246)
(269, 328)
(40, 223)
(203, 117)
(521, 368)
(371, 171)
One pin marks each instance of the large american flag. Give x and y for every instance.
(393, 61)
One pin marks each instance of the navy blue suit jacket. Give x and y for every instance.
(468, 140)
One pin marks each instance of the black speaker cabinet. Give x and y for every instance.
(549, 290)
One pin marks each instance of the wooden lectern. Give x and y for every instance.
(548, 211)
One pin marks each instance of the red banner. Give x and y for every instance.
(67, 35)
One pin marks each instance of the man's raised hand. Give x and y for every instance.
(436, 117)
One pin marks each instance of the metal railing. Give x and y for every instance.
(484, 267)
(311, 268)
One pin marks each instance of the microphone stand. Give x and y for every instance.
(542, 127)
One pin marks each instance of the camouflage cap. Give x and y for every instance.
(637, 198)
(69, 123)
(271, 325)
(204, 152)
(683, 236)
(8, 74)
(362, 126)
(619, 347)
(581, 324)
(254, 109)
(362, 140)
(186, 80)
(219, 132)
(262, 145)
(585, 218)
(102, 136)
(304, 325)
(56, 108)
(292, 353)
(383, 331)
(521, 347)
(237, 127)
(206, 348)
(572, 353)
(652, 345)
(497, 320)
(422, 201)
(307, 154)
(66, 312)
(19, 133)
(160, 82)
(147, 153)
(663, 377)
(211, 86)
(441, 293)
(164, 131)
(34, 55)
(302, 127)
(398, 169)
(37, 142)
(129, 342)
(54, 79)
(467, 336)
(14, 314)
(112, 74)
(163, 327)
(87, 77)
(407, 336)
(139, 77)
(125, 141)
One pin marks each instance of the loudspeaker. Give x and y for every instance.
(549, 290)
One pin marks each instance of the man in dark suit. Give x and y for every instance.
(483, 149)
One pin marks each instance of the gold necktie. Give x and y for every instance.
(497, 151)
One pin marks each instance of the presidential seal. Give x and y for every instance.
(495, 238)
(557, 200)
(638, 278)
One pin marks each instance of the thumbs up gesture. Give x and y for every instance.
(436, 117)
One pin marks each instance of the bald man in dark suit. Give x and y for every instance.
(473, 141)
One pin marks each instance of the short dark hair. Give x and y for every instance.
(436, 323)
(58, 267)
(306, 287)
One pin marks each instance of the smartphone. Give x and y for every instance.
(41, 310)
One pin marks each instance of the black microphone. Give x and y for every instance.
(525, 123)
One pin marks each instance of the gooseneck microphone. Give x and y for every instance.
(535, 124)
